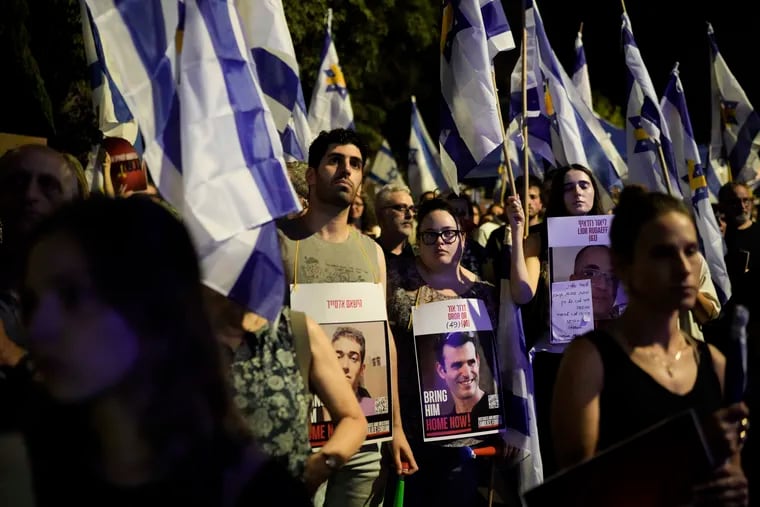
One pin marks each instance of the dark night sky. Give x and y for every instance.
(666, 31)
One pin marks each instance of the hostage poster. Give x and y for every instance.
(584, 288)
(353, 317)
(457, 370)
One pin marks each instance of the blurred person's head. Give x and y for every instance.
(426, 196)
(35, 180)
(114, 311)
(462, 206)
(574, 192)
(476, 213)
(496, 210)
(735, 201)
(655, 252)
(535, 198)
(297, 175)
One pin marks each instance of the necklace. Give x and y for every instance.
(668, 365)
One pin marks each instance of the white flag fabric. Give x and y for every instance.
(384, 169)
(735, 133)
(266, 31)
(424, 161)
(330, 106)
(580, 72)
(693, 183)
(472, 33)
(114, 117)
(210, 141)
(646, 131)
(575, 134)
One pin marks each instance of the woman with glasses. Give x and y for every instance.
(447, 475)
(574, 192)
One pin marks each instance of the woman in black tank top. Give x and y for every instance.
(643, 369)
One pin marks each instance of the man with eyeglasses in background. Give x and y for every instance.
(595, 263)
(395, 211)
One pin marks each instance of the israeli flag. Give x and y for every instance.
(648, 138)
(735, 133)
(580, 71)
(384, 169)
(210, 139)
(266, 31)
(693, 182)
(473, 32)
(114, 117)
(330, 106)
(424, 162)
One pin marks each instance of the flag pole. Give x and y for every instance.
(664, 166)
(524, 78)
(507, 162)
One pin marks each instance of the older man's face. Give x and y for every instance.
(33, 185)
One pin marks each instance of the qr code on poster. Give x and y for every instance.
(493, 401)
(381, 405)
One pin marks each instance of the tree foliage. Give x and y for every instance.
(388, 51)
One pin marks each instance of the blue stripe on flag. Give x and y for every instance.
(98, 68)
(151, 47)
(276, 78)
(516, 409)
(743, 147)
(432, 165)
(580, 59)
(454, 144)
(263, 267)
(494, 19)
(290, 144)
(249, 111)
(386, 150)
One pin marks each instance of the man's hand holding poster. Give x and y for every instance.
(584, 289)
(457, 370)
(353, 317)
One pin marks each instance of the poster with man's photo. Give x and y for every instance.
(584, 288)
(457, 370)
(353, 317)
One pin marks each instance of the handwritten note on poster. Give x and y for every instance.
(572, 310)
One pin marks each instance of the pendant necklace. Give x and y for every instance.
(668, 364)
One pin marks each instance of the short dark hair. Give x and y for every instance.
(435, 204)
(533, 181)
(556, 205)
(340, 137)
(455, 339)
(353, 334)
(638, 207)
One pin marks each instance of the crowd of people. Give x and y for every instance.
(123, 379)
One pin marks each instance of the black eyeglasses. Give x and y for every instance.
(448, 236)
(402, 208)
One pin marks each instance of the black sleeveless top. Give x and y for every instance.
(631, 400)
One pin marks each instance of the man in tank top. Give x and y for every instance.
(321, 247)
